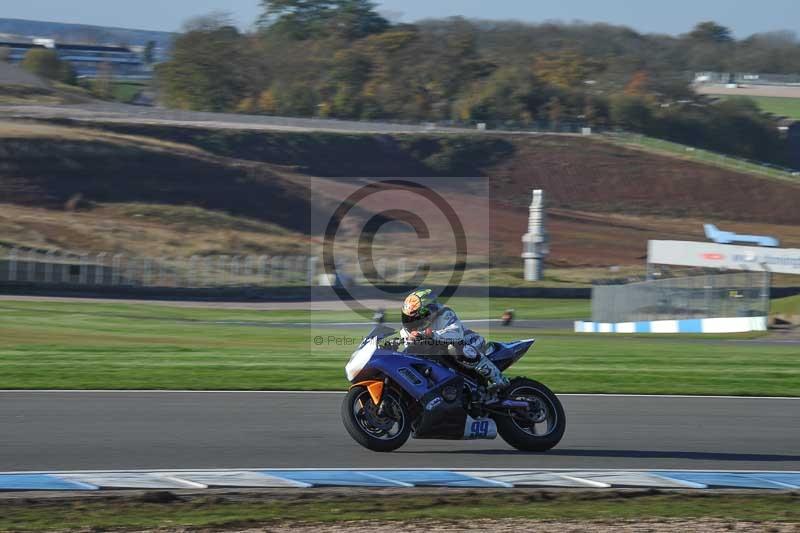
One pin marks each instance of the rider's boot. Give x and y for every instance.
(493, 376)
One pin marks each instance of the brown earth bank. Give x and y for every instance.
(181, 191)
(582, 173)
(516, 526)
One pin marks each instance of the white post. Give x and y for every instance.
(236, 269)
(30, 267)
(222, 264)
(65, 265)
(298, 266)
(312, 270)
(274, 267)
(84, 275)
(116, 265)
(99, 274)
(380, 270)
(535, 242)
(191, 274)
(162, 273)
(251, 269)
(263, 265)
(146, 271)
(209, 268)
(12, 265)
(48, 266)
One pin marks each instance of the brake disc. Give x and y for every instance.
(372, 417)
(536, 412)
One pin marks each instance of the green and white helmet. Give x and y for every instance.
(419, 306)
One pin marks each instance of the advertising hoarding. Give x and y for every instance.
(726, 256)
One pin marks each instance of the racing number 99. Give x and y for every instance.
(479, 429)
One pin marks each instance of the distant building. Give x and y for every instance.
(89, 61)
(746, 78)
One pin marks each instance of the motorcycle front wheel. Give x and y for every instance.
(540, 427)
(383, 430)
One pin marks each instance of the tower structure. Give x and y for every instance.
(535, 242)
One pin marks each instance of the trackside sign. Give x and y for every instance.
(731, 257)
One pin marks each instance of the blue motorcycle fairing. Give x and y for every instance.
(403, 369)
(506, 354)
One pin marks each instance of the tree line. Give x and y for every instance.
(342, 59)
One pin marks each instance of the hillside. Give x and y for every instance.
(182, 191)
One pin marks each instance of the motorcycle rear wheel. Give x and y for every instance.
(542, 427)
(379, 433)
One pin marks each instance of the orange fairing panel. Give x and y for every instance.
(375, 389)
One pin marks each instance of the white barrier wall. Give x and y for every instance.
(702, 325)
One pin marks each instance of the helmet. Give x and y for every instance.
(418, 307)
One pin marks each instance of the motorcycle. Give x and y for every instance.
(396, 395)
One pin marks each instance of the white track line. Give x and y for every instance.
(405, 469)
(575, 395)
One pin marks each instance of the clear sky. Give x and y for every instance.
(674, 16)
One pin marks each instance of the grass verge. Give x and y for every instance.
(705, 156)
(777, 105)
(124, 346)
(786, 306)
(304, 509)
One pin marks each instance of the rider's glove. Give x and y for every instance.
(427, 333)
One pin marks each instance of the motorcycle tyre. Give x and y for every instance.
(522, 440)
(364, 439)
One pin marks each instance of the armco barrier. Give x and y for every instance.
(273, 294)
(370, 478)
(700, 325)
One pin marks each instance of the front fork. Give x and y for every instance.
(375, 388)
(380, 400)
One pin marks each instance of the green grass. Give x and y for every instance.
(786, 306)
(783, 107)
(252, 511)
(126, 92)
(468, 308)
(125, 346)
(703, 156)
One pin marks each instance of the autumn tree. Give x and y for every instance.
(307, 19)
(554, 111)
(638, 84)
(567, 69)
(509, 94)
(631, 112)
(340, 58)
(46, 64)
(206, 70)
(711, 32)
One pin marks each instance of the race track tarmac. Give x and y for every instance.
(165, 430)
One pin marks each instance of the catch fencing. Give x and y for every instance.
(104, 269)
(741, 294)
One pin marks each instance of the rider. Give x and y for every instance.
(426, 321)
